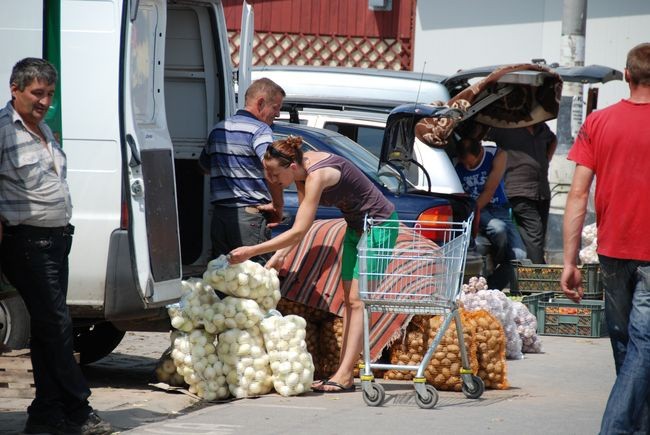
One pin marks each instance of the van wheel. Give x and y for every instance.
(14, 323)
(95, 342)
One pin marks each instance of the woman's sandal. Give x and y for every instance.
(338, 388)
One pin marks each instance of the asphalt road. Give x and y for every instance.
(561, 391)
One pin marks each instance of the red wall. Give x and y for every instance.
(326, 17)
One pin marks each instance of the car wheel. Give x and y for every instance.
(14, 323)
(95, 342)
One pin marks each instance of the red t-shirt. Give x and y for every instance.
(615, 144)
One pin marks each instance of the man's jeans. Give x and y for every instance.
(496, 224)
(627, 311)
(35, 261)
(532, 219)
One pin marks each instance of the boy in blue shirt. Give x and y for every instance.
(480, 169)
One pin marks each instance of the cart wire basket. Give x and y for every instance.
(402, 271)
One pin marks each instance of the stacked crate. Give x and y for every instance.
(556, 315)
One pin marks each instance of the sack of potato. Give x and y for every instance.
(409, 350)
(498, 304)
(490, 341)
(443, 370)
(331, 339)
(484, 339)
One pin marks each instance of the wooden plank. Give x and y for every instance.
(16, 376)
(15, 353)
(17, 393)
(15, 363)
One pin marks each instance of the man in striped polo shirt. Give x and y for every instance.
(36, 238)
(244, 205)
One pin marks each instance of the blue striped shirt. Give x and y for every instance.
(473, 180)
(234, 154)
(33, 187)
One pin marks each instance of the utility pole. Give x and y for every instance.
(569, 121)
(572, 53)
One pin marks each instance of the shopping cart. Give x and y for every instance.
(405, 272)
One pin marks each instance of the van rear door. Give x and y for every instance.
(245, 53)
(150, 189)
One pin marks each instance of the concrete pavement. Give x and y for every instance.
(561, 391)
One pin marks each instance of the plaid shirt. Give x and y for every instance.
(33, 187)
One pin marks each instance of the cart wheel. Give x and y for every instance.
(374, 395)
(476, 391)
(430, 400)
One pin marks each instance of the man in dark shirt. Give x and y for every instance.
(530, 150)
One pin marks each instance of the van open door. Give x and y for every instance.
(149, 191)
(245, 53)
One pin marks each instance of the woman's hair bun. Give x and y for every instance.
(294, 141)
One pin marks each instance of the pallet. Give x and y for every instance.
(17, 375)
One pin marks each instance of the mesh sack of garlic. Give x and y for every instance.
(588, 254)
(195, 358)
(589, 234)
(475, 284)
(291, 363)
(527, 327)
(195, 305)
(232, 312)
(245, 362)
(166, 368)
(248, 280)
(497, 304)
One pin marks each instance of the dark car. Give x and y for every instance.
(411, 203)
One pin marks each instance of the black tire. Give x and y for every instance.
(376, 395)
(95, 342)
(14, 323)
(476, 390)
(428, 402)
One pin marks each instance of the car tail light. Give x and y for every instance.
(431, 223)
(124, 216)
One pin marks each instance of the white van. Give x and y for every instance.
(142, 83)
(356, 102)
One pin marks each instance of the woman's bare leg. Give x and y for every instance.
(352, 341)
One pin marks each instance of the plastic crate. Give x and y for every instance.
(532, 301)
(536, 278)
(565, 317)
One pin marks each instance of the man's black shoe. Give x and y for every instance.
(95, 425)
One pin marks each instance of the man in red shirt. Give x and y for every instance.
(613, 145)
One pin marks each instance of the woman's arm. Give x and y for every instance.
(494, 178)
